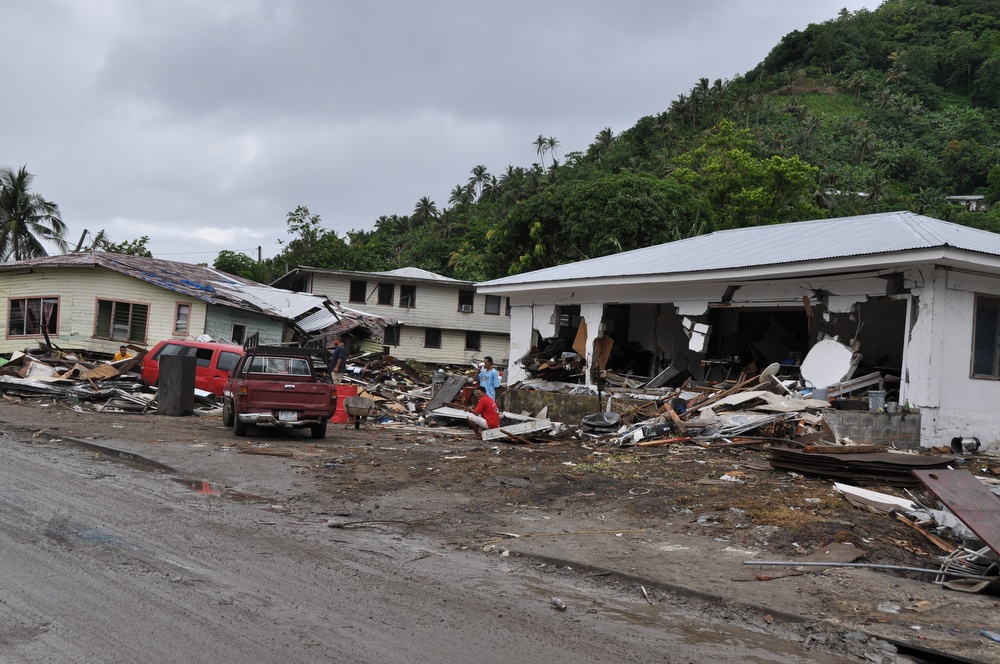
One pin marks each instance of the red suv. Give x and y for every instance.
(214, 362)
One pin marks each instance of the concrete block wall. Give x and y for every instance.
(900, 430)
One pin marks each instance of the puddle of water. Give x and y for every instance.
(200, 486)
(209, 489)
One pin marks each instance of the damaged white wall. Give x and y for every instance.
(931, 308)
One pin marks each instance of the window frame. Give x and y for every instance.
(497, 300)
(186, 328)
(473, 340)
(466, 298)
(383, 290)
(429, 334)
(112, 321)
(985, 322)
(53, 323)
(356, 287)
(393, 340)
(407, 296)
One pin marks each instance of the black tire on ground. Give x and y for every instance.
(318, 430)
(227, 413)
(239, 428)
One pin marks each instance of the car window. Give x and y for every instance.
(227, 360)
(204, 356)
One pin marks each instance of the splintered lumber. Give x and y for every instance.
(669, 410)
(707, 400)
(663, 441)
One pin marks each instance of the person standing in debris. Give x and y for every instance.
(338, 360)
(488, 378)
(122, 354)
(486, 415)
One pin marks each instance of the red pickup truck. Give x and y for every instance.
(279, 386)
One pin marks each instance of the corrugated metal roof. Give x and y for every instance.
(399, 274)
(778, 244)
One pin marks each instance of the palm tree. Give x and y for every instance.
(552, 144)
(26, 219)
(480, 176)
(541, 147)
(423, 211)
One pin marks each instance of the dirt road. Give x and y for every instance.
(423, 506)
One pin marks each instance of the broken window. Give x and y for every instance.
(391, 336)
(359, 289)
(182, 318)
(29, 315)
(492, 305)
(465, 301)
(386, 293)
(239, 333)
(407, 296)
(432, 337)
(472, 341)
(986, 338)
(121, 321)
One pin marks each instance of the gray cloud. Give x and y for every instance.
(203, 124)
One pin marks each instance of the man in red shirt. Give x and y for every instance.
(486, 415)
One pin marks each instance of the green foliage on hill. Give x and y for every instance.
(870, 111)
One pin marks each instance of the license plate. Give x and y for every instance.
(287, 415)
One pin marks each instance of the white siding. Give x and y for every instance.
(78, 291)
(436, 306)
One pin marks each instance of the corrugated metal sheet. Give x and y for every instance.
(760, 246)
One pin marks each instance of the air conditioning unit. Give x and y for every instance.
(465, 308)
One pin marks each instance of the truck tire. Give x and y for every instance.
(318, 430)
(239, 428)
(227, 413)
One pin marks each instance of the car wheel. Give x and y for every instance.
(239, 428)
(318, 430)
(227, 413)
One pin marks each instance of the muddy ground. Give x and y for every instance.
(652, 503)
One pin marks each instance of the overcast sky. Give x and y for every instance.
(202, 123)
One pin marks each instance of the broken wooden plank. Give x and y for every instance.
(969, 499)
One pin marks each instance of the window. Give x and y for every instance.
(28, 316)
(182, 318)
(121, 321)
(391, 337)
(986, 338)
(492, 305)
(359, 289)
(432, 338)
(472, 341)
(407, 296)
(239, 333)
(465, 301)
(508, 307)
(227, 361)
(386, 293)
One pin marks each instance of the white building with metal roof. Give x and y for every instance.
(919, 297)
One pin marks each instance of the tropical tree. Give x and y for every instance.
(26, 219)
(424, 211)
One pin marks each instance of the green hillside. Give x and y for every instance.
(880, 110)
